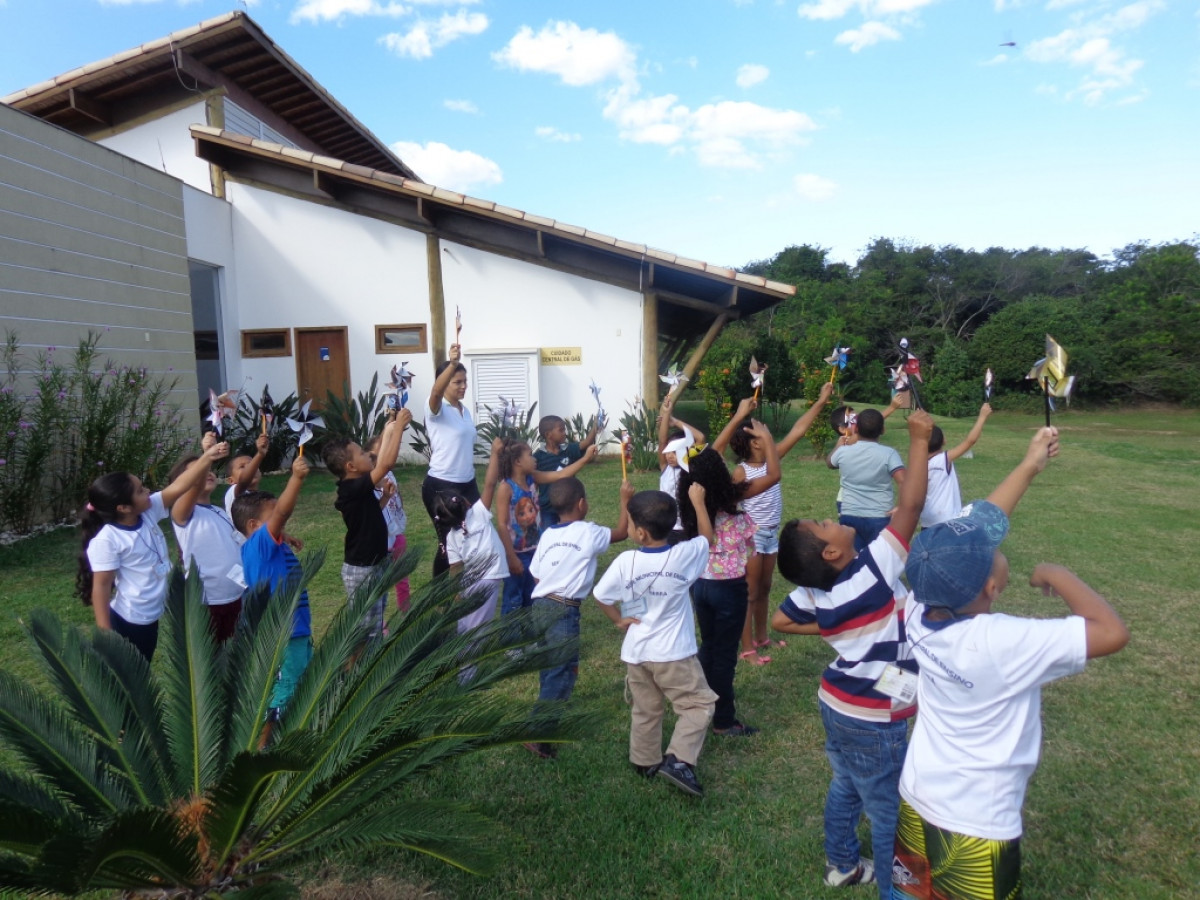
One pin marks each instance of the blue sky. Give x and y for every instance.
(728, 129)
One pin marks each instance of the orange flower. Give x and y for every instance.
(724, 371)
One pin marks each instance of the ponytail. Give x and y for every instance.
(510, 451)
(105, 494)
(449, 512)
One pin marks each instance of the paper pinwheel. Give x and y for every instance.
(396, 390)
(837, 359)
(987, 385)
(303, 423)
(910, 367)
(266, 409)
(601, 417)
(674, 377)
(509, 412)
(221, 407)
(626, 453)
(1051, 373)
(758, 371)
(458, 325)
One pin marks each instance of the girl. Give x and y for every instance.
(673, 449)
(766, 511)
(387, 492)
(517, 498)
(124, 562)
(720, 596)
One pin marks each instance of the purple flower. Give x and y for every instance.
(3, 462)
(170, 368)
(25, 425)
(100, 464)
(158, 446)
(62, 395)
(133, 426)
(45, 378)
(7, 389)
(12, 434)
(51, 349)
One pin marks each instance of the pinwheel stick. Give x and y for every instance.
(833, 373)
(1046, 394)
(264, 418)
(916, 397)
(624, 473)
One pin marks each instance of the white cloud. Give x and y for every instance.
(868, 35)
(462, 106)
(814, 187)
(455, 170)
(332, 10)
(752, 74)
(422, 39)
(550, 133)
(828, 10)
(998, 60)
(578, 56)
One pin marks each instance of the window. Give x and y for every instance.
(400, 339)
(267, 342)
(208, 348)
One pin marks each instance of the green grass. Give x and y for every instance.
(1114, 811)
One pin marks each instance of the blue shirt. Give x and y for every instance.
(266, 562)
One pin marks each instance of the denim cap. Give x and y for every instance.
(950, 563)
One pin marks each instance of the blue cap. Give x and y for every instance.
(950, 563)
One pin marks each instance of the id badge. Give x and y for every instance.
(897, 683)
(635, 608)
(161, 569)
(236, 574)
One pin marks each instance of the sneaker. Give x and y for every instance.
(542, 751)
(863, 873)
(646, 771)
(680, 774)
(737, 729)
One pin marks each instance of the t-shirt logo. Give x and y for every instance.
(901, 874)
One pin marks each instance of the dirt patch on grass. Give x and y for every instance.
(379, 888)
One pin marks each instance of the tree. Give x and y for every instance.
(153, 781)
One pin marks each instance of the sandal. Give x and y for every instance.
(737, 729)
(767, 643)
(751, 656)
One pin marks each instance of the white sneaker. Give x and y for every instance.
(863, 873)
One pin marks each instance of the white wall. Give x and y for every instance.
(209, 228)
(166, 144)
(510, 304)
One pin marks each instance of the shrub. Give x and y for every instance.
(524, 429)
(641, 421)
(246, 425)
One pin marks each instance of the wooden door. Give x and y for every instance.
(322, 364)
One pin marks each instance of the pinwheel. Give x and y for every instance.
(303, 423)
(221, 407)
(266, 409)
(509, 412)
(1051, 373)
(837, 360)
(601, 418)
(396, 390)
(911, 368)
(758, 371)
(626, 454)
(987, 386)
(458, 325)
(674, 377)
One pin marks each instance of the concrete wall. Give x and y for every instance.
(165, 144)
(92, 240)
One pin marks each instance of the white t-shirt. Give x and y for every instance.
(138, 554)
(230, 496)
(211, 540)
(452, 437)
(565, 560)
(479, 542)
(661, 577)
(979, 730)
(668, 483)
(943, 499)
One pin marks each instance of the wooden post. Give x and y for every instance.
(214, 112)
(714, 330)
(437, 300)
(650, 348)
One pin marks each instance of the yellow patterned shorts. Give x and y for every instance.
(932, 863)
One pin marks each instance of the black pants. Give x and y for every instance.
(430, 488)
(720, 614)
(143, 637)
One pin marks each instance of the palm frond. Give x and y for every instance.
(267, 890)
(34, 795)
(23, 831)
(99, 704)
(56, 749)
(193, 697)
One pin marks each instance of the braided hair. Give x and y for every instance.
(707, 469)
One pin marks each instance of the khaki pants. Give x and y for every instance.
(682, 682)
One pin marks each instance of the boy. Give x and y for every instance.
(268, 560)
(856, 602)
(675, 448)
(244, 472)
(565, 566)
(868, 469)
(653, 584)
(943, 499)
(557, 454)
(844, 422)
(977, 740)
(366, 528)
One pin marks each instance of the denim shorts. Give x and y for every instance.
(766, 541)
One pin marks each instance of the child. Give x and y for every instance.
(856, 602)
(269, 562)
(565, 568)
(366, 528)
(943, 500)
(557, 454)
(659, 650)
(387, 492)
(868, 469)
(207, 538)
(978, 737)
(518, 502)
(765, 510)
(721, 594)
(245, 473)
(124, 562)
(675, 449)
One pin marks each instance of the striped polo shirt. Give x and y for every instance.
(862, 618)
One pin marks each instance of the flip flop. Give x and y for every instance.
(751, 656)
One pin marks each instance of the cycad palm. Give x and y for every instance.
(149, 780)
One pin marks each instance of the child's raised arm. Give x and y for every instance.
(181, 510)
(800, 428)
(504, 500)
(194, 475)
(453, 354)
(744, 409)
(261, 443)
(389, 447)
(547, 477)
(1106, 633)
(622, 530)
(704, 527)
(1009, 492)
(286, 504)
(912, 491)
(493, 473)
(972, 435)
(771, 477)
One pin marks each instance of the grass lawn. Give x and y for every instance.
(1113, 812)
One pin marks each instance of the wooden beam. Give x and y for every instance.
(714, 330)
(423, 211)
(437, 299)
(326, 185)
(541, 243)
(650, 348)
(214, 115)
(89, 106)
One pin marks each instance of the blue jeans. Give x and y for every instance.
(517, 592)
(558, 682)
(866, 528)
(866, 758)
(720, 614)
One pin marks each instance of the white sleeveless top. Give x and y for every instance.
(765, 510)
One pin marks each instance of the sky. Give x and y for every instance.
(727, 130)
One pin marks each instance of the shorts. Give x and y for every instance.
(934, 863)
(296, 657)
(766, 541)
